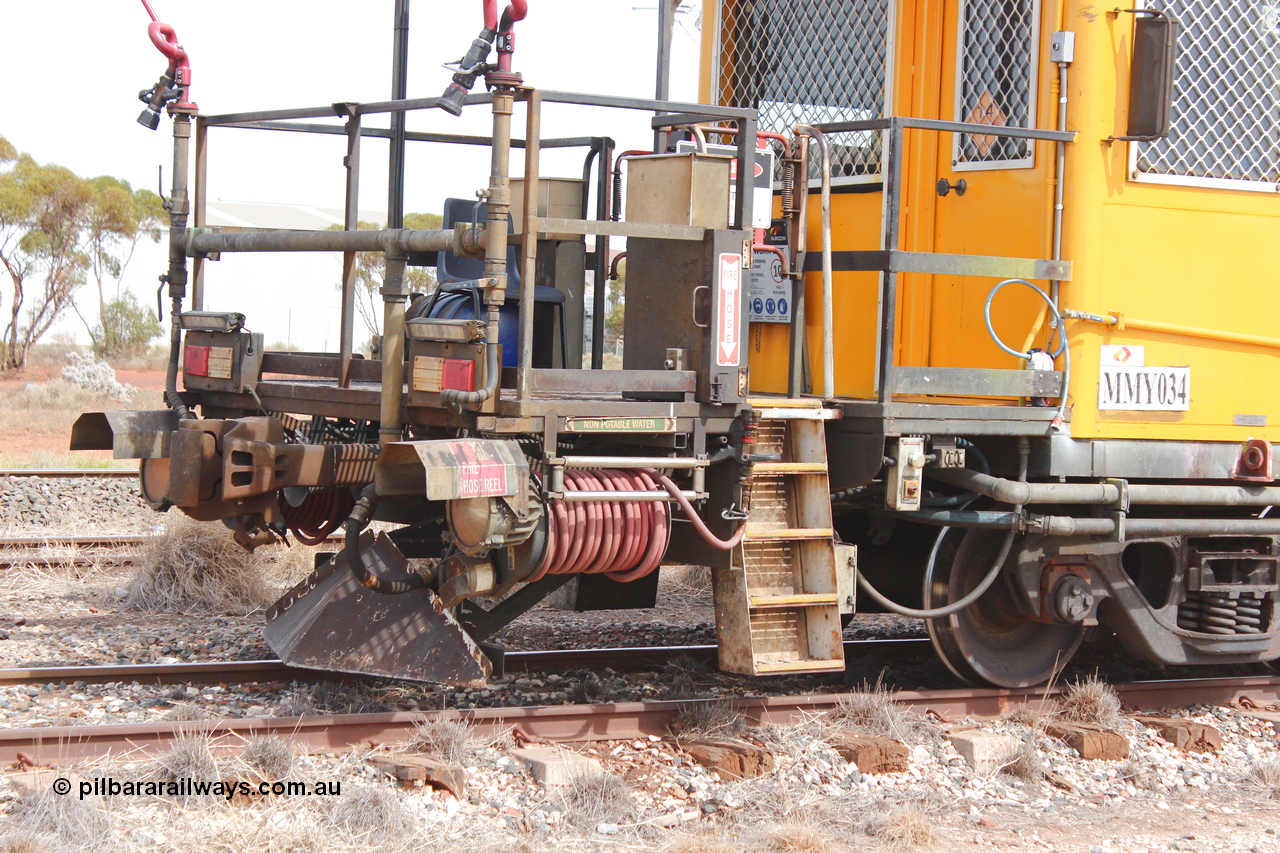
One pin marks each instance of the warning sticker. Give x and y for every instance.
(728, 310)
(477, 476)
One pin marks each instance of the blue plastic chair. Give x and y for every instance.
(458, 295)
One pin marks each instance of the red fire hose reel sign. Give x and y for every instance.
(729, 311)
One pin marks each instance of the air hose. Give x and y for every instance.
(1061, 417)
(1024, 454)
(354, 526)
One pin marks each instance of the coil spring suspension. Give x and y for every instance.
(321, 512)
(623, 540)
(1216, 613)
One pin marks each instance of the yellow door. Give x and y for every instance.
(975, 61)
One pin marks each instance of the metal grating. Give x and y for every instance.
(995, 78)
(1226, 94)
(808, 62)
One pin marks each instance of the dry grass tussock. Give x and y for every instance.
(711, 719)
(591, 799)
(873, 711)
(196, 567)
(271, 757)
(801, 836)
(1265, 775)
(1090, 700)
(40, 821)
(448, 740)
(903, 827)
(372, 816)
(1028, 764)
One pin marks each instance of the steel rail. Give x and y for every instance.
(216, 672)
(578, 723)
(69, 473)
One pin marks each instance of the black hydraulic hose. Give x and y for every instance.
(171, 395)
(458, 399)
(354, 526)
(1024, 457)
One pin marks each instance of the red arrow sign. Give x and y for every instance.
(728, 345)
(1123, 354)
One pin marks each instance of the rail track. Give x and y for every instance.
(69, 473)
(568, 723)
(91, 551)
(622, 659)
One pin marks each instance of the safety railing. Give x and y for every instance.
(891, 260)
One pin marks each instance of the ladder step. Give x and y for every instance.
(792, 666)
(785, 402)
(790, 468)
(800, 599)
(787, 534)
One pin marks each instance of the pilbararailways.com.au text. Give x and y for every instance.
(109, 787)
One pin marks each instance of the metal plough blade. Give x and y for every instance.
(331, 622)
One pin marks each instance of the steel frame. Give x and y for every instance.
(600, 152)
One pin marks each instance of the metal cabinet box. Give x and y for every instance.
(558, 198)
(679, 189)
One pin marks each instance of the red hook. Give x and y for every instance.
(165, 38)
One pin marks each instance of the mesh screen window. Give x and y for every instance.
(1226, 98)
(995, 80)
(809, 62)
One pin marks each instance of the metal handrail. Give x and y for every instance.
(892, 129)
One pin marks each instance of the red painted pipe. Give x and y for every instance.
(516, 11)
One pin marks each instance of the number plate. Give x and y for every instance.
(1144, 389)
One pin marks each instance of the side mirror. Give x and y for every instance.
(1155, 51)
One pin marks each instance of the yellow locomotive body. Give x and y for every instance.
(1177, 252)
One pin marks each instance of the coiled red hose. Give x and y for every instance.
(623, 540)
(319, 514)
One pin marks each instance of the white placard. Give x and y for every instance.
(768, 290)
(1144, 389)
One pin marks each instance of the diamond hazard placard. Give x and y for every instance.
(729, 310)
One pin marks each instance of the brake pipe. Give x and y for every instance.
(355, 524)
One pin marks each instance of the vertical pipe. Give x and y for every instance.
(666, 28)
(746, 173)
(399, 89)
(394, 293)
(892, 168)
(799, 356)
(200, 210)
(351, 221)
(528, 273)
(1060, 174)
(176, 276)
(828, 317)
(602, 259)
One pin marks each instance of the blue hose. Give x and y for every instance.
(1053, 353)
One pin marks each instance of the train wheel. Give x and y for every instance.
(989, 642)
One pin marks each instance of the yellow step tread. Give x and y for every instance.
(799, 599)
(775, 534)
(784, 402)
(790, 468)
(793, 666)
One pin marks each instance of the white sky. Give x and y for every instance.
(71, 72)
